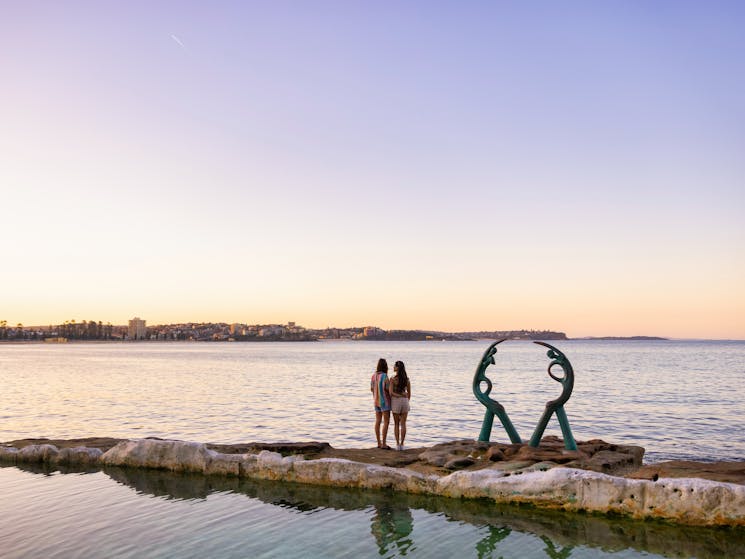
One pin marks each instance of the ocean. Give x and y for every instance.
(677, 399)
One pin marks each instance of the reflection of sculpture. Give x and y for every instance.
(493, 407)
(391, 525)
(488, 545)
(555, 553)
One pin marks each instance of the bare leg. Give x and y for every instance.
(386, 421)
(396, 421)
(378, 417)
(404, 415)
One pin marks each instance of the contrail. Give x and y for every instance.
(182, 45)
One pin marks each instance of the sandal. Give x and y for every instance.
(385, 447)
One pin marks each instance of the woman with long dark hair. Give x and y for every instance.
(400, 396)
(380, 387)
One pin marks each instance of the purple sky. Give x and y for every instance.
(576, 166)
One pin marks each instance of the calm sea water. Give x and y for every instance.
(677, 399)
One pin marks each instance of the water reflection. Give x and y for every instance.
(394, 518)
(391, 527)
(555, 553)
(488, 545)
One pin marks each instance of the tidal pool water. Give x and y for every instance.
(119, 513)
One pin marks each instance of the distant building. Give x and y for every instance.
(371, 331)
(271, 331)
(137, 329)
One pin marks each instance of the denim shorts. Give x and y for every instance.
(384, 408)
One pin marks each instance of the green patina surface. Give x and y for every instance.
(494, 408)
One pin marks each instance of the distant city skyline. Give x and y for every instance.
(136, 328)
(575, 167)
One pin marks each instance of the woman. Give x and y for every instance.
(380, 387)
(400, 396)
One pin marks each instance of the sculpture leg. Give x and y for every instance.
(486, 425)
(535, 440)
(507, 424)
(566, 431)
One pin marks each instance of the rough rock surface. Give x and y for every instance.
(684, 500)
(79, 455)
(733, 472)
(547, 476)
(594, 455)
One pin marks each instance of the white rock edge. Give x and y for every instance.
(683, 500)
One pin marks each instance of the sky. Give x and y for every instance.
(456, 166)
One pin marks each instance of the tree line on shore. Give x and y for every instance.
(70, 329)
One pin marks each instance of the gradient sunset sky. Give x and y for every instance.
(575, 166)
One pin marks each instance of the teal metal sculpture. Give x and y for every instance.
(493, 407)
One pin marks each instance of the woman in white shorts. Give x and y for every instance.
(400, 388)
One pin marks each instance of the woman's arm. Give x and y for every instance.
(393, 390)
(408, 389)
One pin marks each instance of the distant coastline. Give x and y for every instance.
(91, 331)
(139, 330)
(627, 338)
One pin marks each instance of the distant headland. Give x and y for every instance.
(634, 338)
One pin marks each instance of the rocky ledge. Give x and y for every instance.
(588, 479)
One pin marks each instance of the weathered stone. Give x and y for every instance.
(733, 472)
(104, 443)
(542, 483)
(224, 464)
(554, 454)
(689, 501)
(609, 462)
(495, 454)
(552, 442)
(177, 456)
(8, 454)
(516, 466)
(79, 455)
(592, 446)
(311, 447)
(38, 453)
(436, 458)
(457, 454)
(539, 467)
(511, 450)
(459, 463)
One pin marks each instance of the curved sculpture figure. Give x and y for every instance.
(557, 406)
(493, 407)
